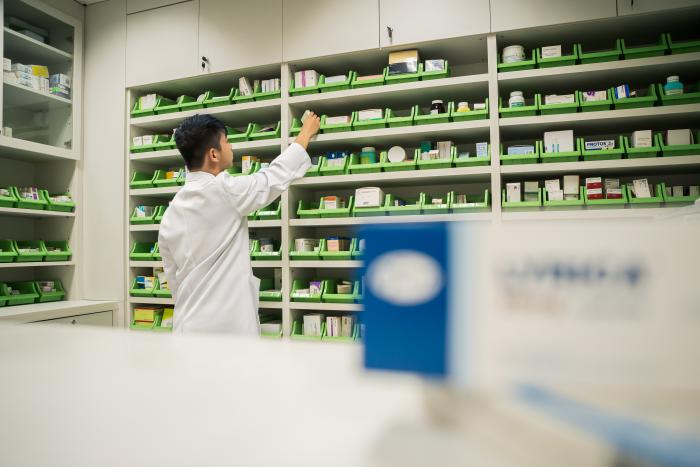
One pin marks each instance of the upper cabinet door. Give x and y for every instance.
(314, 28)
(240, 34)
(407, 22)
(632, 7)
(518, 14)
(161, 44)
(134, 6)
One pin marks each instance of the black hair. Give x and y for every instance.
(196, 135)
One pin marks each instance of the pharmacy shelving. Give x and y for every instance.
(145, 264)
(151, 301)
(477, 79)
(44, 150)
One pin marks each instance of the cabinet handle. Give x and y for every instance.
(205, 62)
(390, 33)
(74, 322)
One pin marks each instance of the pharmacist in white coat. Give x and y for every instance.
(204, 233)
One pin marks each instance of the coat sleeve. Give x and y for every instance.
(169, 266)
(252, 192)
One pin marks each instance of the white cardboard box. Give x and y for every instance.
(641, 188)
(679, 137)
(571, 184)
(551, 51)
(559, 141)
(312, 324)
(369, 197)
(642, 139)
(552, 185)
(513, 193)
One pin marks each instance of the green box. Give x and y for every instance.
(339, 212)
(160, 292)
(522, 205)
(59, 206)
(394, 120)
(258, 135)
(27, 293)
(330, 297)
(294, 91)
(270, 319)
(142, 251)
(353, 338)
(159, 215)
(295, 129)
(137, 292)
(413, 206)
(337, 127)
(441, 208)
(517, 66)
(524, 111)
(239, 98)
(45, 297)
(379, 81)
(637, 102)
(9, 201)
(234, 135)
(214, 100)
(475, 203)
(258, 255)
(682, 46)
(639, 153)
(30, 257)
(340, 86)
(8, 252)
(298, 284)
(436, 74)
(308, 210)
(399, 166)
(676, 99)
(315, 169)
(564, 60)
(552, 109)
(356, 167)
(159, 180)
(404, 77)
(163, 144)
(335, 170)
(530, 158)
(568, 156)
(337, 255)
(297, 332)
(653, 202)
(422, 118)
(159, 142)
(174, 107)
(471, 161)
(137, 111)
(259, 95)
(267, 292)
(445, 163)
(609, 203)
(156, 253)
(306, 255)
(373, 212)
(603, 154)
(23, 203)
(596, 106)
(64, 254)
(373, 124)
(197, 103)
(236, 170)
(272, 211)
(599, 56)
(566, 203)
(676, 200)
(471, 115)
(141, 180)
(4, 294)
(135, 220)
(680, 149)
(644, 51)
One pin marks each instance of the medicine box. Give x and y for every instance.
(642, 139)
(369, 197)
(513, 192)
(679, 137)
(559, 141)
(403, 61)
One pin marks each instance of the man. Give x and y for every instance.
(204, 234)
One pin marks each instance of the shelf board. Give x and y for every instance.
(396, 95)
(53, 310)
(167, 192)
(270, 305)
(235, 115)
(18, 96)
(266, 264)
(41, 264)
(28, 50)
(265, 147)
(151, 301)
(23, 150)
(481, 216)
(351, 307)
(678, 164)
(644, 70)
(586, 214)
(145, 264)
(144, 228)
(408, 135)
(409, 177)
(251, 224)
(263, 224)
(315, 264)
(34, 213)
(669, 116)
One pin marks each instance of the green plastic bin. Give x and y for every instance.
(9, 201)
(159, 180)
(595, 106)
(295, 128)
(308, 210)
(4, 294)
(644, 51)
(259, 135)
(685, 46)
(652, 202)
(159, 215)
(681, 149)
(236, 135)
(413, 206)
(259, 95)
(197, 103)
(675, 201)
(64, 252)
(552, 109)
(141, 180)
(522, 205)
(218, 100)
(327, 169)
(564, 204)
(399, 166)
(295, 91)
(298, 328)
(648, 100)
(445, 163)
(339, 212)
(8, 252)
(306, 255)
(379, 81)
(691, 95)
(38, 204)
(514, 159)
(471, 161)
(339, 86)
(475, 203)
(436, 208)
(27, 293)
(565, 59)
(138, 111)
(161, 292)
(524, 111)
(239, 98)
(257, 255)
(404, 77)
(603, 154)
(358, 251)
(55, 296)
(374, 211)
(435, 74)
(59, 206)
(267, 292)
(30, 257)
(356, 167)
(337, 255)
(399, 118)
(315, 169)
(424, 117)
(134, 291)
(135, 220)
(337, 127)
(517, 66)
(166, 108)
(471, 115)
(331, 295)
(156, 253)
(142, 251)
(353, 338)
(598, 56)
(639, 153)
(298, 284)
(608, 203)
(373, 124)
(567, 156)
(270, 212)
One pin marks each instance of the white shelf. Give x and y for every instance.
(586, 214)
(41, 264)
(144, 228)
(16, 95)
(157, 157)
(266, 264)
(326, 264)
(350, 307)
(151, 301)
(145, 264)
(251, 224)
(33, 51)
(53, 310)
(34, 213)
(679, 164)
(159, 192)
(19, 149)
(265, 147)
(409, 177)
(270, 305)
(481, 216)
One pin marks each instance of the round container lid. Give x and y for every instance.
(369, 149)
(463, 104)
(513, 50)
(396, 154)
(437, 101)
(672, 79)
(516, 94)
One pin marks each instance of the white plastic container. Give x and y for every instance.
(516, 99)
(513, 53)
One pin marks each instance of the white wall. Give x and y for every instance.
(103, 151)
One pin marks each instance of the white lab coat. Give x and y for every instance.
(205, 246)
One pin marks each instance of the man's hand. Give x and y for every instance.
(308, 130)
